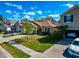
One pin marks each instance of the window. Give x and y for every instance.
(47, 29)
(68, 18)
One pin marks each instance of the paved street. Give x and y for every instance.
(59, 49)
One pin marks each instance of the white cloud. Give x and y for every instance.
(49, 11)
(43, 16)
(33, 7)
(39, 12)
(8, 11)
(15, 19)
(14, 5)
(27, 16)
(68, 5)
(19, 7)
(15, 14)
(29, 13)
(54, 15)
(24, 10)
(9, 4)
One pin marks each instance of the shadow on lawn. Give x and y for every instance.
(47, 39)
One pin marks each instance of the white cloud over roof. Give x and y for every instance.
(27, 16)
(55, 16)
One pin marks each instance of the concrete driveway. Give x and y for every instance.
(59, 50)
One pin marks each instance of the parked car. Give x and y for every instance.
(73, 48)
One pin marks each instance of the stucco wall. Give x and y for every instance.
(43, 29)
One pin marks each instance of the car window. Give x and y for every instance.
(76, 43)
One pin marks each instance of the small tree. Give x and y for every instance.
(27, 26)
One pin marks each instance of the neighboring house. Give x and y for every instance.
(45, 26)
(17, 27)
(6, 25)
(9, 26)
(8, 22)
(71, 18)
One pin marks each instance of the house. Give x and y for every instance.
(17, 27)
(44, 27)
(35, 28)
(9, 26)
(71, 18)
(6, 25)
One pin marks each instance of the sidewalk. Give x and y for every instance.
(4, 53)
(29, 51)
(11, 38)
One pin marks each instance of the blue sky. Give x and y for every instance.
(17, 10)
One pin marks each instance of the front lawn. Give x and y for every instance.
(37, 42)
(14, 51)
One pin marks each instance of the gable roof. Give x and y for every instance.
(44, 23)
(72, 8)
(10, 22)
(33, 25)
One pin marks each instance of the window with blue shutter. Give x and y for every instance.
(68, 18)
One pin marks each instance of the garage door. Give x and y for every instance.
(71, 34)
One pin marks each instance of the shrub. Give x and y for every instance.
(57, 35)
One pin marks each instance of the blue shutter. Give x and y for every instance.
(71, 18)
(64, 18)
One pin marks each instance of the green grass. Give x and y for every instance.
(37, 42)
(14, 51)
(1, 32)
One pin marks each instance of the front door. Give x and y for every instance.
(39, 31)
